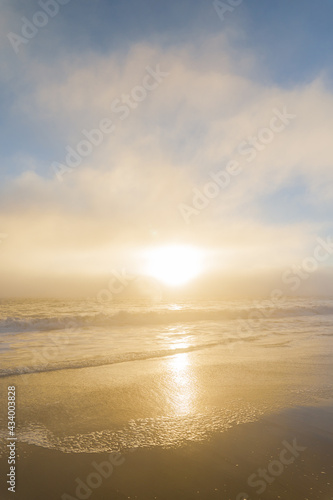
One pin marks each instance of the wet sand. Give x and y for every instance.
(219, 468)
(202, 425)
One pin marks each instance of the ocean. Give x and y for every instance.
(47, 335)
(94, 378)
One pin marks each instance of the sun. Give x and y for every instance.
(174, 265)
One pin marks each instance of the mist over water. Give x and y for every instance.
(37, 336)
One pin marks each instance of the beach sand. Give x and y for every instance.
(196, 425)
(216, 469)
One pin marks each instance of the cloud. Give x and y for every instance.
(191, 125)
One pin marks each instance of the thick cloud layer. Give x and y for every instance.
(163, 125)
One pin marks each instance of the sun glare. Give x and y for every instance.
(174, 265)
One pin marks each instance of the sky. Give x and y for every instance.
(128, 128)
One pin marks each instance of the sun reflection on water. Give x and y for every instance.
(175, 307)
(183, 391)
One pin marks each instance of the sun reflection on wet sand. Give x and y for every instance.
(182, 384)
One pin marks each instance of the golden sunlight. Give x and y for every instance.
(182, 383)
(174, 265)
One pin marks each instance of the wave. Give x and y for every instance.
(45, 365)
(163, 431)
(103, 360)
(158, 316)
(33, 324)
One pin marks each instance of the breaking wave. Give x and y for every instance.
(160, 316)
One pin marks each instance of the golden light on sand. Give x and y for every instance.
(174, 265)
(183, 386)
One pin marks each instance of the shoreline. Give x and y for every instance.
(226, 466)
